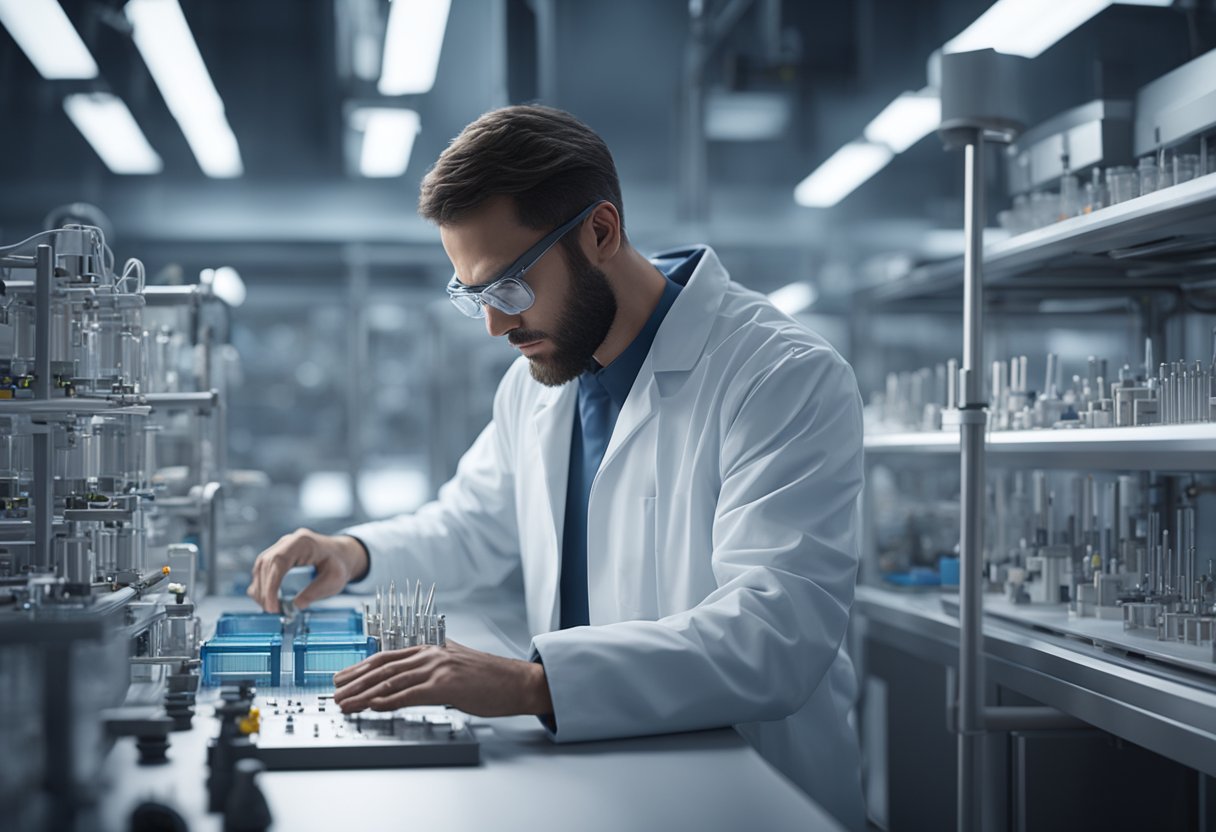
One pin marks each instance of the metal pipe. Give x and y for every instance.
(45, 265)
(211, 505)
(971, 540)
(44, 445)
(185, 401)
(171, 295)
(692, 179)
(115, 599)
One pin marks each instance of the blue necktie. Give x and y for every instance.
(589, 441)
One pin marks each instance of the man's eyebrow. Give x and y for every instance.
(498, 273)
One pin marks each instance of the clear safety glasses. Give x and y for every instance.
(508, 293)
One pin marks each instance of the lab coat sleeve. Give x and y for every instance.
(785, 555)
(465, 538)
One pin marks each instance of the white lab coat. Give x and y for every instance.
(722, 538)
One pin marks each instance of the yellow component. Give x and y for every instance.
(251, 724)
(6, 394)
(164, 570)
(1095, 561)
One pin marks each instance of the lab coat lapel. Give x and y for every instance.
(677, 347)
(639, 407)
(553, 419)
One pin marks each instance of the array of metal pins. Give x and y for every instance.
(402, 619)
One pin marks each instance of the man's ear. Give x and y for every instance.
(604, 237)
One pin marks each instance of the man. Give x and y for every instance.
(674, 462)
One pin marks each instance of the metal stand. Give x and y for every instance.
(974, 719)
(973, 416)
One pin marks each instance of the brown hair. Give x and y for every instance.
(550, 163)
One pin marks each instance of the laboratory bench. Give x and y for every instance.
(706, 780)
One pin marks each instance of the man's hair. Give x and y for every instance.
(550, 164)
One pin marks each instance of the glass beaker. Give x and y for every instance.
(1148, 176)
(1122, 184)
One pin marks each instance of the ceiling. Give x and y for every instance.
(279, 66)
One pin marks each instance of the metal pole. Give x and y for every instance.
(692, 171)
(973, 417)
(44, 448)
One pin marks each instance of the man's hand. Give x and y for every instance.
(474, 682)
(338, 559)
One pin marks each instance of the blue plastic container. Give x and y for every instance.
(233, 658)
(949, 567)
(344, 621)
(318, 656)
(245, 623)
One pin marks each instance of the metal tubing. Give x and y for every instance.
(44, 446)
(972, 428)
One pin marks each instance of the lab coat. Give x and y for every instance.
(722, 538)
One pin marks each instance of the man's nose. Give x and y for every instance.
(499, 322)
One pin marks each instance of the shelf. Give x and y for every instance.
(1156, 448)
(1158, 240)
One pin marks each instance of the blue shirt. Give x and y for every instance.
(601, 395)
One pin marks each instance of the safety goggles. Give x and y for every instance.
(508, 293)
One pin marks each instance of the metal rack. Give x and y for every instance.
(1160, 240)
(1163, 241)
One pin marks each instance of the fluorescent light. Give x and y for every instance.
(412, 42)
(794, 298)
(1158, 3)
(1024, 27)
(388, 139)
(905, 121)
(840, 175)
(108, 125)
(48, 38)
(163, 38)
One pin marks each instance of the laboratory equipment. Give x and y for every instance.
(1176, 106)
(1171, 393)
(313, 733)
(1085, 137)
(398, 620)
(99, 569)
(1119, 556)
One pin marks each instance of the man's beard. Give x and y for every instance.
(581, 327)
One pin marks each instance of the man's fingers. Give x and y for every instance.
(389, 688)
(375, 676)
(329, 581)
(276, 566)
(375, 660)
(420, 694)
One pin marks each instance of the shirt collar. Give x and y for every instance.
(618, 377)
